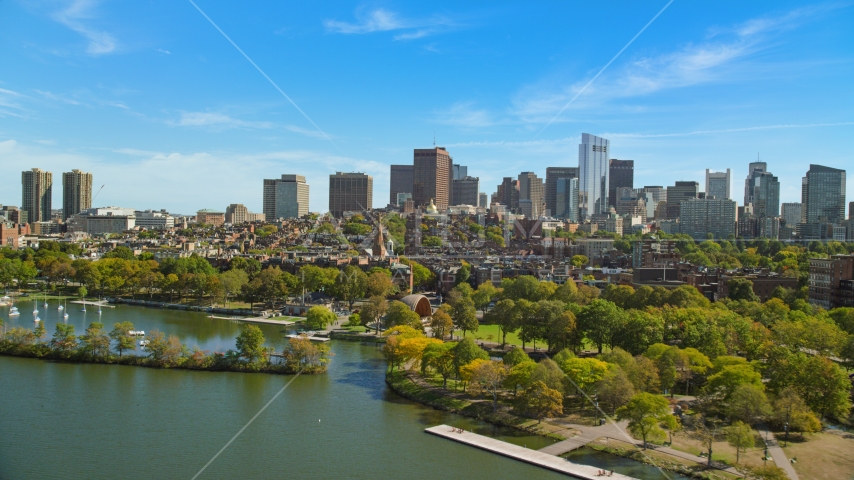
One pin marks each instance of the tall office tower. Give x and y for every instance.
(677, 194)
(401, 181)
(76, 192)
(531, 188)
(350, 192)
(702, 216)
(621, 173)
(823, 195)
(566, 199)
(654, 195)
(508, 194)
(482, 200)
(717, 184)
(466, 191)
(754, 169)
(553, 174)
(851, 211)
(791, 213)
(593, 171)
(432, 177)
(766, 195)
(286, 197)
(459, 171)
(37, 194)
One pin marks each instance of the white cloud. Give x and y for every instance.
(7, 146)
(462, 114)
(308, 132)
(57, 97)
(214, 119)
(167, 52)
(75, 15)
(382, 20)
(725, 130)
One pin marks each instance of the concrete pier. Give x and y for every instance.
(255, 320)
(526, 455)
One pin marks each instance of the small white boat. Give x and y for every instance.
(37, 320)
(45, 302)
(13, 312)
(60, 307)
(65, 316)
(143, 343)
(35, 310)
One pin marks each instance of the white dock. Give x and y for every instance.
(255, 320)
(313, 339)
(102, 303)
(534, 457)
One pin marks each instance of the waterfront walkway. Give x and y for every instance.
(777, 453)
(256, 320)
(534, 457)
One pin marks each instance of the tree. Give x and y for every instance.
(318, 317)
(520, 375)
(463, 313)
(484, 294)
(440, 357)
(790, 408)
(95, 340)
(373, 311)
(615, 390)
(579, 261)
(506, 316)
(748, 404)
(539, 401)
(515, 357)
(399, 313)
(121, 335)
(640, 330)
(82, 292)
(489, 376)
(550, 373)
(563, 332)
(441, 323)
(232, 281)
(522, 287)
(645, 413)
(250, 342)
(64, 340)
(378, 284)
(739, 435)
(350, 284)
(599, 321)
(741, 289)
(38, 332)
(725, 382)
(467, 351)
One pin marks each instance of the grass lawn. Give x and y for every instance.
(357, 329)
(722, 451)
(821, 455)
(485, 330)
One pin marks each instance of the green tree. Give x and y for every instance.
(250, 342)
(373, 311)
(522, 287)
(232, 282)
(515, 357)
(350, 284)
(466, 351)
(95, 340)
(489, 376)
(441, 323)
(790, 408)
(440, 357)
(646, 413)
(463, 312)
(399, 313)
(579, 261)
(506, 316)
(520, 375)
(38, 332)
(484, 294)
(121, 335)
(82, 292)
(614, 390)
(741, 289)
(739, 436)
(725, 382)
(318, 317)
(539, 401)
(748, 404)
(64, 341)
(599, 321)
(378, 284)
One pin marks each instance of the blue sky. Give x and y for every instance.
(166, 113)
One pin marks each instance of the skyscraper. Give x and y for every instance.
(350, 192)
(432, 177)
(791, 213)
(753, 170)
(677, 194)
(593, 171)
(37, 194)
(766, 195)
(654, 195)
(466, 190)
(531, 188)
(566, 199)
(553, 174)
(508, 193)
(76, 192)
(621, 173)
(718, 184)
(823, 195)
(285, 198)
(400, 181)
(700, 217)
(459, 171)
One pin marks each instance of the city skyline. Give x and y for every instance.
(84, 89)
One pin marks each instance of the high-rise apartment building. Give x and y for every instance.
(76, 192)
(851, 211)
(37, 194)
(508, 194)
(459, 171)
(285, 197)
(753, 171)
(483, 200)
(700, 217)
(400, 181)
(766, 195)
(593, 172)
(466, 191)
(432, 177)
(350, 192)
(237, 213)
(791, 213)
(531, 188)
(718, 184)
(621, 174)
(553, 174)
(677, 194)
(566, 199)
(823, 195)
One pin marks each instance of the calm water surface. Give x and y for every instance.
(105, 421)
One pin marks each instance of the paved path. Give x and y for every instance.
(778, 454)
(527, 455)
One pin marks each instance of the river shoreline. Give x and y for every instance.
(400, 383)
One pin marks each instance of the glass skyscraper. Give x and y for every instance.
(823, 195)
(593, 173)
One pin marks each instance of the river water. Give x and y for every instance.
(105, 421)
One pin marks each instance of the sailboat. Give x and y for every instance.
(60, 307)
(35, 309)
(37, 320)
(84, 306)
(13, 312)
(65, 316)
